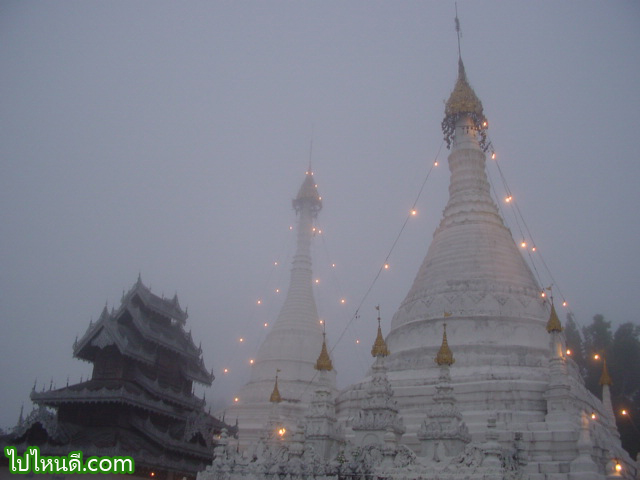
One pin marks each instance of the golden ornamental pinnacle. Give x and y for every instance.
(554, 325)
(445, 355)
(275, 395)
(379, 348)
(605, 379)
(323, 363)
(463, 99)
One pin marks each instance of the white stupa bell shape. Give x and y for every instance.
(475, 277)
(293, 345)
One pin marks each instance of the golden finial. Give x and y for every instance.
(463, 99)
(275, 395)
(323, 363)
(554, 325)
(605, 379)
(379, 348)
(445, 355)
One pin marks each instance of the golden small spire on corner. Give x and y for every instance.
(275, 395)
(323, 364)
(379, 348)
(445, 355)
(553, 325)
(605, 379)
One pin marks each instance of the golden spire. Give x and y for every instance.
(445, 355)
(379, 348)
(275, 395)
(463, 99)
(605, 379)
(323, 363)
(554, 325)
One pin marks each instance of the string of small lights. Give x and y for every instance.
(519, 218)
(522, 228)
(385, 265)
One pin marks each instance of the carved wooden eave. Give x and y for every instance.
(126, 394)
(167, 393)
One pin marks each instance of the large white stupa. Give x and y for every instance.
(285, 372)
(511, 378)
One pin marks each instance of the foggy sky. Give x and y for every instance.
(168, 139)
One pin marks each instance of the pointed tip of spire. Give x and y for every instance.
(553, 325)
(379, 348)
(445, 355)
(324, 364)
(463, 101)
(275, 394)
(605, 379)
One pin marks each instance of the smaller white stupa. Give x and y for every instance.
(285, 374)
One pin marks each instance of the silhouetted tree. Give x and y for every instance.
(622, 352)
(574, 343)
(625, 391)
(597, 340)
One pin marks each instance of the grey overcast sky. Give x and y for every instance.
(168, 139)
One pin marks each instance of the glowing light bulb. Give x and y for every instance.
(241, 339)
(596, 357)
(593, 415)
(266, 324)
(386, 266)
(343, 301)
(226, 370)
(435, 164)
(152, 474)
(568, 351)
(564, 304)
(523, 244)
(508, 199)
(542, 294)
(290, 227)
(333, 265)
(618, 467)
(317, 280)
(624, 412)
(313, 229)
(275, 263)
(484, 124)
(493, 156)
(259, 302)
(251, 361)
(533, 249)
(277, 290)
(321, 322)
(319, 232)
(414, 212)
(357, 341)
(236, 399)
(282, 431)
